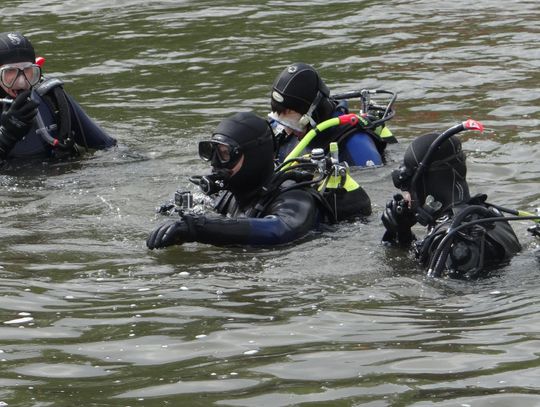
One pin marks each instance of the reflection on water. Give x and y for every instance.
(90, 316)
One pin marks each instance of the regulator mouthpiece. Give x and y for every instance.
(209, 184)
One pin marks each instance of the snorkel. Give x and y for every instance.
(40, 61)
(425, 209)
(42, 129)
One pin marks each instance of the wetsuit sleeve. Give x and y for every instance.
(290, 216)
(87, 132)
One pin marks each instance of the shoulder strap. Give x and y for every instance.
(273, 188)
(52, 92)
(225, 203)
(329, 212)
(46, 85)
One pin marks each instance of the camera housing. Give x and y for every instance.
(183, 200)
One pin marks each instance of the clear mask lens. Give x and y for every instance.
(10, 74)
(278, 129)
(294, 125)
(225, 154)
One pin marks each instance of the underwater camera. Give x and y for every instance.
(183, 200)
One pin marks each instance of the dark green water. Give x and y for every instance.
(332, 321)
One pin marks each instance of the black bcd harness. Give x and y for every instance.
(52, 93)
(226, 203)
(464, 254)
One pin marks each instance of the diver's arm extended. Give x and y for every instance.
(289, 217)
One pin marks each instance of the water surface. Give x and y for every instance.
(91, 317)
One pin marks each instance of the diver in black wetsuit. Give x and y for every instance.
(436, 195)
(255, 205)
(300, 100)
(39, 119)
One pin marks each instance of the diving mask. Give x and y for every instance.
(217, 152)
(288, 123)
(10, 73)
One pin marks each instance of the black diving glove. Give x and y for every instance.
(398, 219)
(16, 121)
(172, 232)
